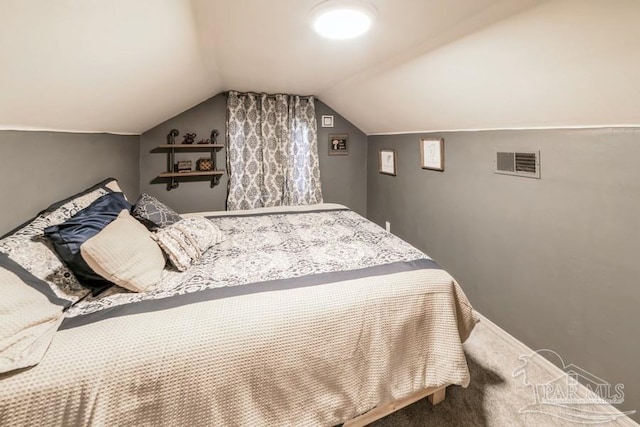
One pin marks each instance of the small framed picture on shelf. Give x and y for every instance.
(387, 161)
(327, 121)
(432, 154)
(339, 145)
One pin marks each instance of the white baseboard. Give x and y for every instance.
(544, 364)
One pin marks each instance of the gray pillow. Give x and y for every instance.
(153, 213)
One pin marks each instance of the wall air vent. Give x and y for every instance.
(521, 163)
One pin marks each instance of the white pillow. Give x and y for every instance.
(185, 241)
(29, 316)
(124, 253)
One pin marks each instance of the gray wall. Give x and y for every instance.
(553, 261)
(343, 177)
(40, 168)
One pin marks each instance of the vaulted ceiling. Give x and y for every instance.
(123, 66)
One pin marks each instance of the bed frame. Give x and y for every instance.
(435, 395)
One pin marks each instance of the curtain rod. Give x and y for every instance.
(269, 95)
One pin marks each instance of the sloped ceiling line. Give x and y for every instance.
(123, 67)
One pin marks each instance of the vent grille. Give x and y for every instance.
(526, 162)
(520, 163)
(506, 162)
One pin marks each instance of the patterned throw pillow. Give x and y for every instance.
(153, 213)
(185, 241)
(28, 247)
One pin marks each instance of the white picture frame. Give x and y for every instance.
(387, 161)
(327, 121)
(432, 154)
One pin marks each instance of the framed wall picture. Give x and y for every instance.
(387, 161)
(327, 121)
(339, 144)
(432, 154)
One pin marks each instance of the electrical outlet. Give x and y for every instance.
(387, 225)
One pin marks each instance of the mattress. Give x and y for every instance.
(301, 316)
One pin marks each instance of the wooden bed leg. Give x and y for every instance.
(438, 396)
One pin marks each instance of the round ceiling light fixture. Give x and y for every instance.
(342, 19)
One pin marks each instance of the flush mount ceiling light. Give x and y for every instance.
(342, 19)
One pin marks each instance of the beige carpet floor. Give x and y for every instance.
(494, 397)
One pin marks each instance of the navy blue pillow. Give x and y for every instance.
(71, 234)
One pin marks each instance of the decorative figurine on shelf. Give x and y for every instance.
(171, 138)
(204, 141)
(189, 138)
(214, 136)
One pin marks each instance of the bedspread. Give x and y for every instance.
(297, 318)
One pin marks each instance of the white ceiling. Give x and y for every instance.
(123, 66)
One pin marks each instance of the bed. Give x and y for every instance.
(300, 316)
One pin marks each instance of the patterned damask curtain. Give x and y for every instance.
(272, 152)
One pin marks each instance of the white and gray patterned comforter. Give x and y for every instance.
(308, 317)
(266, 247)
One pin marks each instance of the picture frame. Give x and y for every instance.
(339, 144)
(327, 121)
(387, 162)
(432, 154)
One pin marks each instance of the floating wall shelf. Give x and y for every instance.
(172, 148)
(194, 173)
(194, 147)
